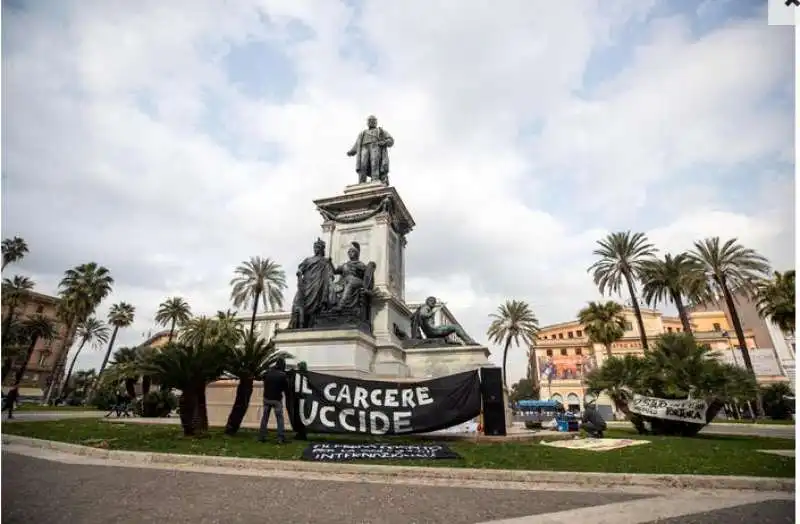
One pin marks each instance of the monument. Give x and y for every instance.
(349, 316)
(360, 324)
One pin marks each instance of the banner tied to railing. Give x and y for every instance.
(331, 404)
(687, 410)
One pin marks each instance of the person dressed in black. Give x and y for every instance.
(11, 401)
(294, 409)
(276, 385)
(592, 421)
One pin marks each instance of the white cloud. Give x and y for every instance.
(108, 137)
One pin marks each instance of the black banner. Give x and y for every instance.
(333, 452)
(330, 404)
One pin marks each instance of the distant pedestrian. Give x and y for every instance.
(11, 401)
(276, 385)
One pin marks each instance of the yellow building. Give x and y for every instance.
(563, 354)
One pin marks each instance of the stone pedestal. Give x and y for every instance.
(219, 400)
(438, 361)
(344, 352)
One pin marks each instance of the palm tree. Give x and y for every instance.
(81, 291)
(13, 292)
(189, 368)
(775, 300)
(91, 331)
(729, 268)
(83, 381)
(35, 328)
(622, 256)
(672, 279)
(513, 322)
(174, 311)
(126, 365)
(203, 330)
(258, 279)
(15, 346)
(120, 316)
(603, 323)
(249, 362)
(14, 249)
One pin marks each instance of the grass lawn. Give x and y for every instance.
(702, 455)
(39, 407)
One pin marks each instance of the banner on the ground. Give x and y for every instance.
(334, 452)
(331, 404)
(687, 410)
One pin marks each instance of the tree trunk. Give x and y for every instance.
(676, 298)
(130, 387)
(8, 363)
(737, 327)
(244, 392)
(636, 311)
(71, 366)
(202, 408)
(608, 350)
(24, 366)
(146, 382)
(188, 407)
(253, 316)
(171, 330)
(108, 351)
(72, 325)
(6, 325)
(505, 358)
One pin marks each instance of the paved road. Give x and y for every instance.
(750, 430)
(45, 486)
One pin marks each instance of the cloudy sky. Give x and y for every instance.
(169, 141)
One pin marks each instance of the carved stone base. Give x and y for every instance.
(343, 319)
(429, 343)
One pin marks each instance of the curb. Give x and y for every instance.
(696, 482)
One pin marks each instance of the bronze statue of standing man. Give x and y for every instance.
(371, 152)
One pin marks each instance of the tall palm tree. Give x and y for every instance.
(91, 331)
(728, 268)
(258, 279)
(80, 291)
(775, 300)
(14, 249)
(513, 322)
(670, 280)
(603, 323)
(35, 328)
(622, 256)
(120, 315)
(13, 293)
(174, 311)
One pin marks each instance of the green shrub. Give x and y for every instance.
(156, 404)
(776, 405)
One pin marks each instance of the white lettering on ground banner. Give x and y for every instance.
(687, 410)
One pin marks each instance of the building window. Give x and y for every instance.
(628, 326)
(669, 330)
(570, 334)
(40, 309)
(561, 335)
(43, 359)
(579, 333)
(677, 330)
(549, 352)
(717, 327)
(578, 351)
(564, 351)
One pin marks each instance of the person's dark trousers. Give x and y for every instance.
(592, 430)
(269, 405)
(10, 408)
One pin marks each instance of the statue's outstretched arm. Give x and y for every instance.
(354, 149)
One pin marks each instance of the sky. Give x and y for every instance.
(169, 141)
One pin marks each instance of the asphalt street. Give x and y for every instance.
(68, 491)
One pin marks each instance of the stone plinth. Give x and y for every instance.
(448, 359)
(343, 352)
(219, 399)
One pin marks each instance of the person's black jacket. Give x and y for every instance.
(276, 384)
(593, 417)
